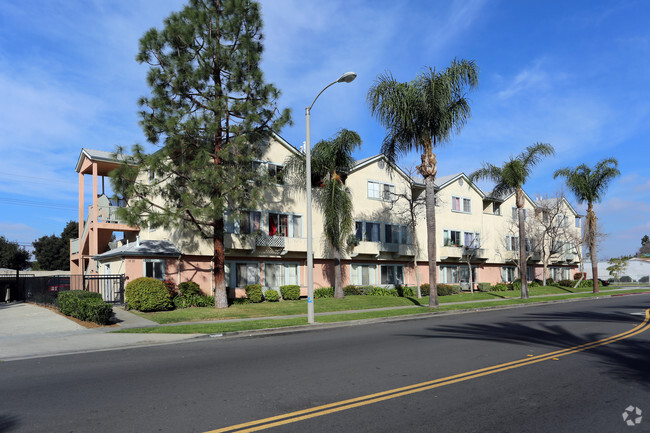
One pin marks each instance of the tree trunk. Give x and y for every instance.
(522, 244)
(338, 285)
(591, 221)
(431, 240)
(220, 294)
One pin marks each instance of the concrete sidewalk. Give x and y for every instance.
(29, 331)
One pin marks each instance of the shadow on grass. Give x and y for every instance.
(627, 360)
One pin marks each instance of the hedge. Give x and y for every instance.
(187, 301)
(254, 293)
(290, 292)
(86, 306)
(443, 289)
(324, 292)
(271, 295)
(189, 288)
(147, 294)
(484, 287)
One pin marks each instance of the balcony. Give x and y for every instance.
(450, 252)
(264, 240)
(74, 246)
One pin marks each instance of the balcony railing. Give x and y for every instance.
(74, 246)
(265, 240)
(108, 214)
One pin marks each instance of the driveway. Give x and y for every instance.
(30, 331)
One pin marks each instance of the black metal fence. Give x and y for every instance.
(44, 290)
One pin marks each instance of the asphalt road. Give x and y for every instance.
(474, 372)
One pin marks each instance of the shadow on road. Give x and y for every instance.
(8, 423)
(627, 360)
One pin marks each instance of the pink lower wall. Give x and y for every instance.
(197, 269)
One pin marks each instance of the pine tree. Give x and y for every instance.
(211, 113)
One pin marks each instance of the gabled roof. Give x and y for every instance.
(550, 202)
(99, 156)
(360, 164)
(149, 248)
(507, 196)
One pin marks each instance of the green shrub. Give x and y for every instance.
(271, 295)
(644, 279)
(484, 287)
(586, 283)
(365, 290)
(86, 306)
(290, 292)
(424, 289)
(324, 292)
(171, 288)
(538, 281)
(626, 279)
(516, 285)
(405, 291)
(549, 281)
(447, 289)
(254, 293)
(189, 288)
(533, 284)
(566, 283)
(147, 294)
(351, 290)
(500, 287)
(241, 301)
(68, 301)
(193, 301)
(380, 291)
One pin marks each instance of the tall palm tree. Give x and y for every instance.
(589, 185)
(418, 116)
(331, 160)
(511, 178)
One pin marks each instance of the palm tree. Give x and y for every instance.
(418, 116)
(589, 185)
(510, 178)
(331, 160)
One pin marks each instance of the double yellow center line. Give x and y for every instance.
(339, 406)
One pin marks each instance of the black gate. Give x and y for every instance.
(45, 290)
(110, 286)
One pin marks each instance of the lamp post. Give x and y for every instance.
(348, 77)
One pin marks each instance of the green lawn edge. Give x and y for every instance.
(249, 325)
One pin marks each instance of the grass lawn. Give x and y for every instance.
(220, 327)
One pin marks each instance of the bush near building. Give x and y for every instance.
(147, 294)
(86, 306)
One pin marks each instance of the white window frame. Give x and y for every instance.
(144, 268)
(364, 230)
(447, 238)
(506, 271)
(462, 201)
(395, 267)
(356, 273)
(515, 213)
(231, 277)
(285, 273)
(291, 229)
(378, 190)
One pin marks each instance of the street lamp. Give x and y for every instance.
(348, 77)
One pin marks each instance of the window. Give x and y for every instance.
(363, 275)
(395, 234)
(392, 274)
(449, 274)
(530, 273)
(367, 231)
(276, 173)
(152, 176)
(508, 274)
(380, 191)
(249, 222)
(459, 204)
(577, 222)
(454, 274)
(285, 225)
(560, 273)
(241, 274)
(472, 240)
(451, 238)
(154, 268)
(497, 209)
(515, 214)
(281, 274)
(512, 243)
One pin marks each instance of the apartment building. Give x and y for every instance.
(268, 245)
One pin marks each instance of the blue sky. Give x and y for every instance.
(572, 74)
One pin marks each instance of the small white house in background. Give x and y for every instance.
(637, 268)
